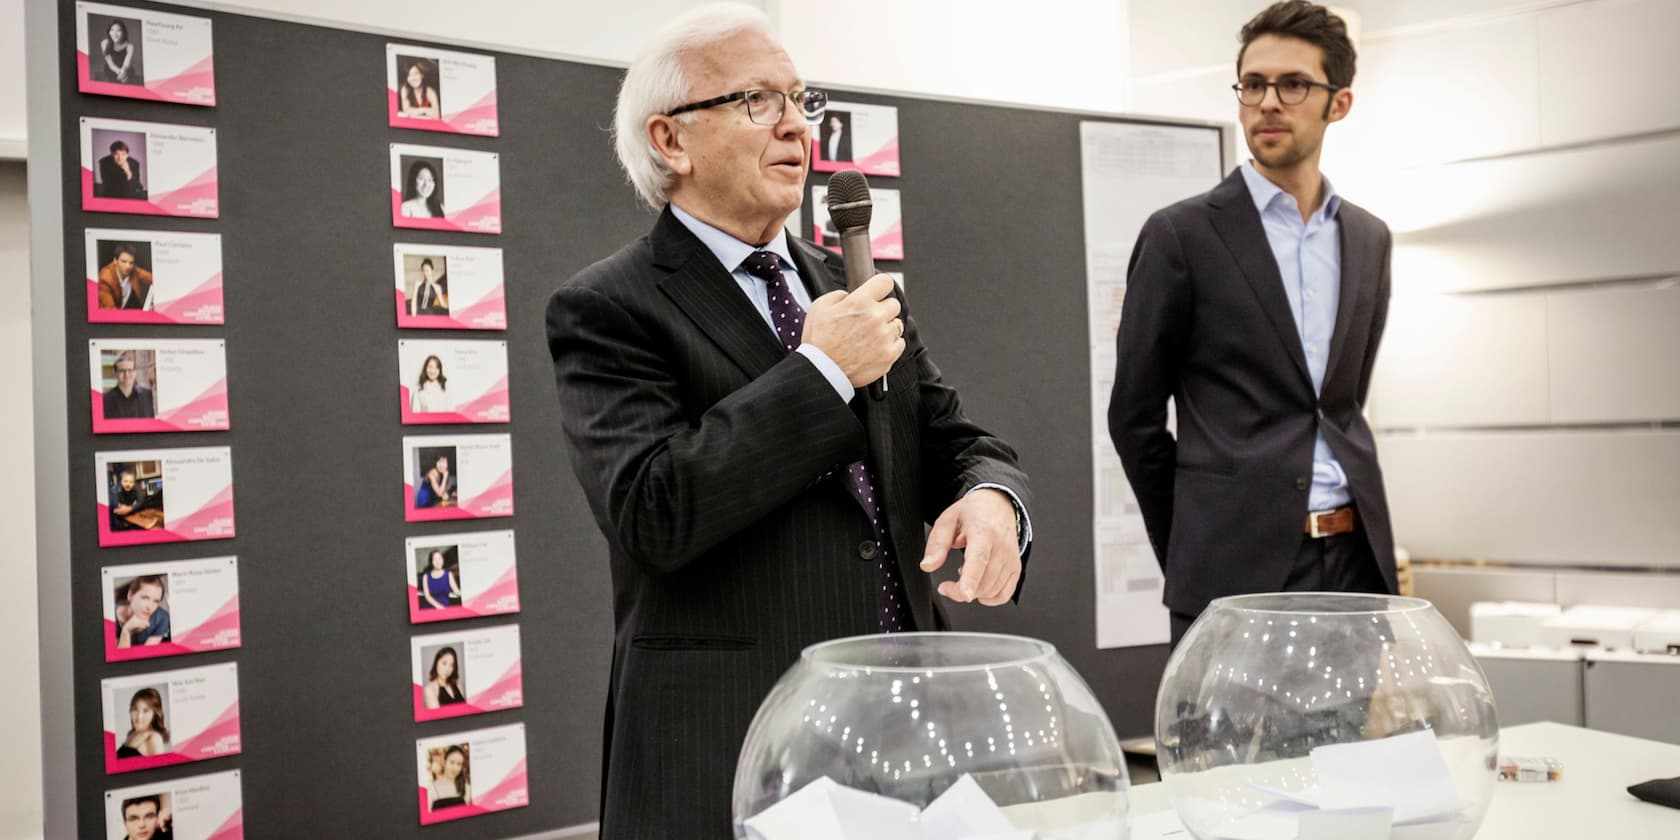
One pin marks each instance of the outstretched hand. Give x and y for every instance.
(982, 525)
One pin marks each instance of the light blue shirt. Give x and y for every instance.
(1309, 259)
(731, 252)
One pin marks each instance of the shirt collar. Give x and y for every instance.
(729, 250)
(1264, 192)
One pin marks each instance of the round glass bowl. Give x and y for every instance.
(1275, 705)
(987, 733)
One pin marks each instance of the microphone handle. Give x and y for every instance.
(860, 266)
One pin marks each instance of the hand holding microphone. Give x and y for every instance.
(850, 210)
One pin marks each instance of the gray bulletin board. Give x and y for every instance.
(995, 276)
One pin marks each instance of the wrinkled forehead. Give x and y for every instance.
(743, 60)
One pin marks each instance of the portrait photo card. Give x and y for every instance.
(171, 717)
(852, 135)
(440, 188)
(437, 90)
(144, 54)
(151, 169)
(465, 774)
(457, 477)
(158, 385)
(172, 608)
(449, 287)
(153, 277)
(886, 224)
(164, 495)
(466, 672)
(209, 807)
(460, 575)
(452, 381)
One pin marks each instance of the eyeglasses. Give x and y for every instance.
(123, 370)
(765, 106)
(1291, 90)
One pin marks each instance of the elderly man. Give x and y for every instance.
(755, 499)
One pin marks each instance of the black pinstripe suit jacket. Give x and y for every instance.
(701, 445)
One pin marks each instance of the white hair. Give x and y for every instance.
(656, 83)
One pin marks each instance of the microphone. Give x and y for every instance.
(850, 209)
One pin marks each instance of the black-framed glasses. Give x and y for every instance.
(1291, 90)
(765, 106)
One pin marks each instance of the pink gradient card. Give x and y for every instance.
(164, 495)
(154, 385)
(457, 477)
(437, 90)
(466, 672)
(153, 277)
(460, 576)
(852, 135)
(452, 381)
(150, 169)
(208, 807)
(449, 287)
(442, 188)
(144, 54)
(197, 707)
(886, 224)
(168, 609)
(466, 774)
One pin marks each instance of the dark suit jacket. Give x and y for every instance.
(1206, 323)
(701, 444)
(113, 183)
(843, 152)
(110, 287)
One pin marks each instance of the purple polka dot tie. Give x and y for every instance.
(789, 319)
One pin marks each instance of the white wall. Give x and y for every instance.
(1526, 154)
(20, 795)
(12, 122)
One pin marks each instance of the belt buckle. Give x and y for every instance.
(1313, 518)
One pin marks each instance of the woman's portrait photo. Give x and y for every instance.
(114, 50)
(417, 88)
(148, 734)
(836, 139)
(431, 389)
(142, 610)
(121, 173)
(438, 577)
(427, 280)
(422, 194)
(450, 773)
(134, 494)
(446, 679)
(435, 466)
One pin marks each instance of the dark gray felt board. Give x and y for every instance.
(996, 279)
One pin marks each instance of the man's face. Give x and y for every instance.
(120, 156)
(1282, 136)
(145, 600)
(141, 820)
(127, 481)
(746, 174)
(125, 381)
(125, 263)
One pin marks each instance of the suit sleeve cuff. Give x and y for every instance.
(1020, 513)
(830, 371)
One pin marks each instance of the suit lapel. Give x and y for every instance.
(710, 297)
(1355, 248)
(1238, 224)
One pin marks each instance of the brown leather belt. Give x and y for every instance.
(1328, 523)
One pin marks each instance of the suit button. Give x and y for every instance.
(867, 549)
(1302, 483)
(1321, 414)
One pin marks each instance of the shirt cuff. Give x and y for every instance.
(1020, 510)
(829, 370)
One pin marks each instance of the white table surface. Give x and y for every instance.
(1590, 802)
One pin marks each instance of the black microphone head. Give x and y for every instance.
(849, 205)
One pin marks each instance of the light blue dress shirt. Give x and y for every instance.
(1309, 259)
(731, 252)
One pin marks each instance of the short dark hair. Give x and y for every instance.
(1308, 22)
(427, 263)
(119, 146)
(117, 252)
(156, 800)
